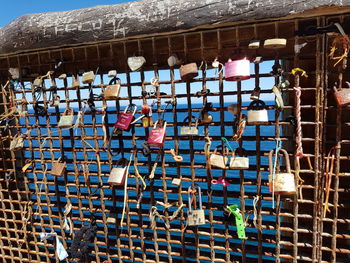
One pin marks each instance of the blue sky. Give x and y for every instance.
(16, 8)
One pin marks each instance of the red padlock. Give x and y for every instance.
(156, 137)
(125, 118)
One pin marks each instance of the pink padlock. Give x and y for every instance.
(237, 70)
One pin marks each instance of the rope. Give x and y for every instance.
(299, 151)
(255, 202)
(278, 148)
(328, 179)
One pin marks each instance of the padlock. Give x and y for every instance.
(237, 70)
(275, 43)
(147, 119)
(206, 117)
(281, 183)
(58, 167)
(239, 162)
(219, 160)
(135, 63)
(75, 81)
(156, 137)
(188, 71)
(342, 95)
(254, 44)
(17, 142)
(112, 73)
(125, 118)
(118, 174)
(88, 77)
(257, 113)
(195, 217)
(189, 130)
(38, 82)
(67, 118)
(112, 218)
(173, 60)
(255, 94)
(113, 89)
(62, 76)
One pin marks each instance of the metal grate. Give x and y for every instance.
(295, 231)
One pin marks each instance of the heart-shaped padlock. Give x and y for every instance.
(135, 63)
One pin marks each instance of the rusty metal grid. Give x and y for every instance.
(295, 231)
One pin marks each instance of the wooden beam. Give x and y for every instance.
(103, 23)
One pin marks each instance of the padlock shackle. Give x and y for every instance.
(241, 152)
(199, 195)
(257, 105)
(189, 123)
(285, 154)
(224, 149)
(129, 107)
(68, 111)
(115, 80)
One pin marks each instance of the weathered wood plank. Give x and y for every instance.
(141, 17)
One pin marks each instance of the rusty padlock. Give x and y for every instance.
(147, 119)
(342, 95)
(125, 118)
(113, 89)
(118, 174)
(188, 71)
(219, 160)
(156, 137)
(239, 162)
(75, 81)
(189, 130)
(58, 167)
(195, 217)
(281, 183)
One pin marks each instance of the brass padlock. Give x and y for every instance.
(206, 117)
(113, 89)
(88, 77)
(219, 160)
(195, 217)
(58, 167)
(67, 119)
(239, 162)
(189, 130)
(17, 142)
(118, 174)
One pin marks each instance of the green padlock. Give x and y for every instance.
(239, 220)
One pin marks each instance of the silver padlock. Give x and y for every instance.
(189, 130)
(195, 217)
(257, 113)
(118, 174)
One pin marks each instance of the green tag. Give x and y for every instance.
(239, 220)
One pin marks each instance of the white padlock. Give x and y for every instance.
(239, 162)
